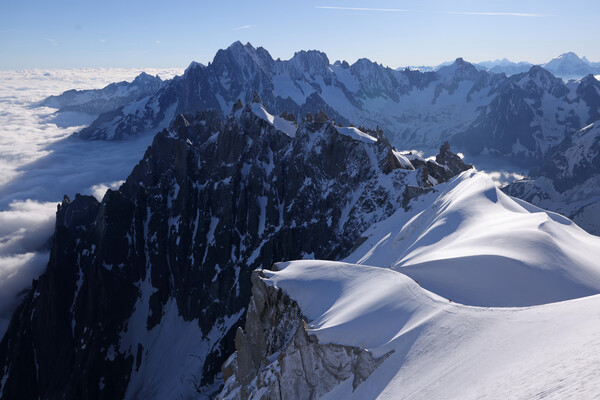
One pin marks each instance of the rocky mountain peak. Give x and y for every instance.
(256, 98)
(310, 57)
(180, 122)
(193, 65)
(242, 56)
(589, 79)
(568, 58)
(145, 78)
(451, 160)
(344, 64)
(79, 212)
(311, 62)
(538, 79)
(570, 66)
(460, 70)
(238, 105)
(540, 73)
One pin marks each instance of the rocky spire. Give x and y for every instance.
(454, 163)
(256, 98)
(237, 106)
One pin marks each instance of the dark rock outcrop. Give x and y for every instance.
(144, 291)
(276, 355)
(451, 161)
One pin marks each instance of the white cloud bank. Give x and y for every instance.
(39, 164)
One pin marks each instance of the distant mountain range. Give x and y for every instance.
(566, 66)
(480, 112)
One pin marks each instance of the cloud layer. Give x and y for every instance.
(40, 163)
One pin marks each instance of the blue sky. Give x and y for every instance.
(68, 34)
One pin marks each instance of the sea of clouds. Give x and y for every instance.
(39, 164)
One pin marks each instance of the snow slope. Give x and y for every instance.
(475, 245)
(283, 125)
(444, 350)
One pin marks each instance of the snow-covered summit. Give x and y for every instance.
(570, 66)
(107, 99)
(475, 245)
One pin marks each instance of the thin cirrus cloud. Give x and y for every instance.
(239, 28)
(505, 14)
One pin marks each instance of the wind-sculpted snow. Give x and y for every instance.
(40, 164)
(475, 245)
(436, 348)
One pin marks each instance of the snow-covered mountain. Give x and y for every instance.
(570, 66)
(431, 311)
(566, 66)
(144, 291)
(568, 181)
(107, 99)
(528, 112)
(504, 66)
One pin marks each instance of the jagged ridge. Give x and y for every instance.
(160, 269)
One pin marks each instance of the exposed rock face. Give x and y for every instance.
(453, 163)
(80, 212)
(144, 291)
(568, 180)
(518, 117)
(276, 358)
(530, 113)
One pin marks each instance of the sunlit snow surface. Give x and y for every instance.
(475, 245)
(39, 165)
(287, 127)
(445, 350)
(466, 243)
